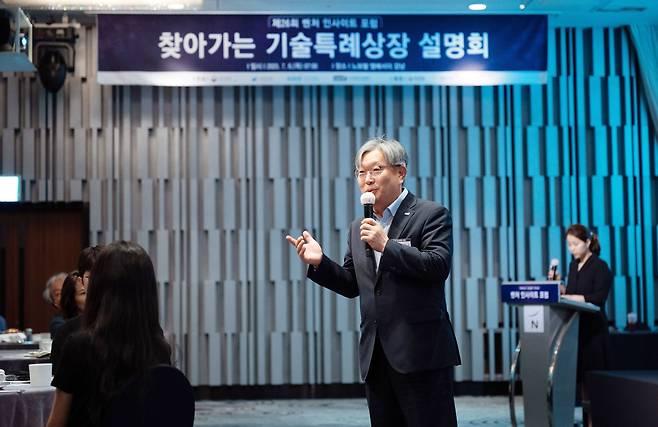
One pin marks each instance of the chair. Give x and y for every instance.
(163, 398)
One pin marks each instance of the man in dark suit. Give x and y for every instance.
(408, 348)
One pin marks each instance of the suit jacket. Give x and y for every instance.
(402, 302)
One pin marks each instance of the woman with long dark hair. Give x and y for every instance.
(120, 340)
(72, 304)
(74, 296)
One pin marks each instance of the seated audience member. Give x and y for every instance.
(86, 262)
(121, 338)
(74, 294)
(52, 295)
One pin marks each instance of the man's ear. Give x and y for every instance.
(402, 172)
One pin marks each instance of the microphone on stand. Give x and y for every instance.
(368, 202)
(553, 268)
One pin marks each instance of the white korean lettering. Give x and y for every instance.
(478, 44)
(301, 46)
(350, 43)
(397, 45)
(169, 45)
(431, 45)
(278, 40)
(373, 49)
(241, 44)
(325, 44)
(454, 44)
(217, 41)
(195, 43)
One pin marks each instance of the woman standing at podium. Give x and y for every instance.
(589, 280)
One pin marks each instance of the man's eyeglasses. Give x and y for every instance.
(374, 172)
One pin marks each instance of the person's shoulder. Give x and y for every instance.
(425, 205)
(56, 322)
(600, 263)
(79, 339)
(57, 319)
(72, 328)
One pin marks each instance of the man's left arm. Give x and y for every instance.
(431, 260)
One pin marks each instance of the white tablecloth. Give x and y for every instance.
(22, 405)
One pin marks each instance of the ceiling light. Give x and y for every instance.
(477, 6)
(522, 6)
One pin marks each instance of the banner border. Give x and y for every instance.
(321, 78)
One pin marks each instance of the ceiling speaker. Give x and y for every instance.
(52, 70)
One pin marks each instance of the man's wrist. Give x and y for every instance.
(316, 266)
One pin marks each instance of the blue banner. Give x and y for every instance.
(530, 292)
(193, 50)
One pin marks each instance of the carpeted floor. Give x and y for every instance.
(471, 411)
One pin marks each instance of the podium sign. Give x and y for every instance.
(548, 327)
(533, 293)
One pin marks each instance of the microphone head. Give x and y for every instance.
(367, 198)
(555, 262)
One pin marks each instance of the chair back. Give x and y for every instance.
(163, 398)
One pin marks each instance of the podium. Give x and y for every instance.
(547, 352)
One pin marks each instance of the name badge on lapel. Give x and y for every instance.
(405, 242)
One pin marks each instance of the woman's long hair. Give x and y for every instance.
(121, 315)
(67, 302)
(581, 232)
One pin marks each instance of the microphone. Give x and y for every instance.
(553, 268)
(368, 202)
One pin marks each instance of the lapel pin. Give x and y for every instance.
(407, 213)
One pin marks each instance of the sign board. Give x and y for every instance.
(530, 292)
(261, 49)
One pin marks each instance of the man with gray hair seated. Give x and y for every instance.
(52, 295)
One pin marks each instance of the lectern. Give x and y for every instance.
(547, 352)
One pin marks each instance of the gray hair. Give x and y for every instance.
(393, 151)
(48, 292)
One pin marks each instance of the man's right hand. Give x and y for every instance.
(308, 249)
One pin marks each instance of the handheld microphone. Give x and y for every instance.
(553, 268)
(368, 202)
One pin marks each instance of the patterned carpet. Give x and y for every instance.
(471, 411)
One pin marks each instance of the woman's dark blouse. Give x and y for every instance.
(65, 331)
(593, 281)
(78, 374)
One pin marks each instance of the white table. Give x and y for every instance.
(22, 405)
